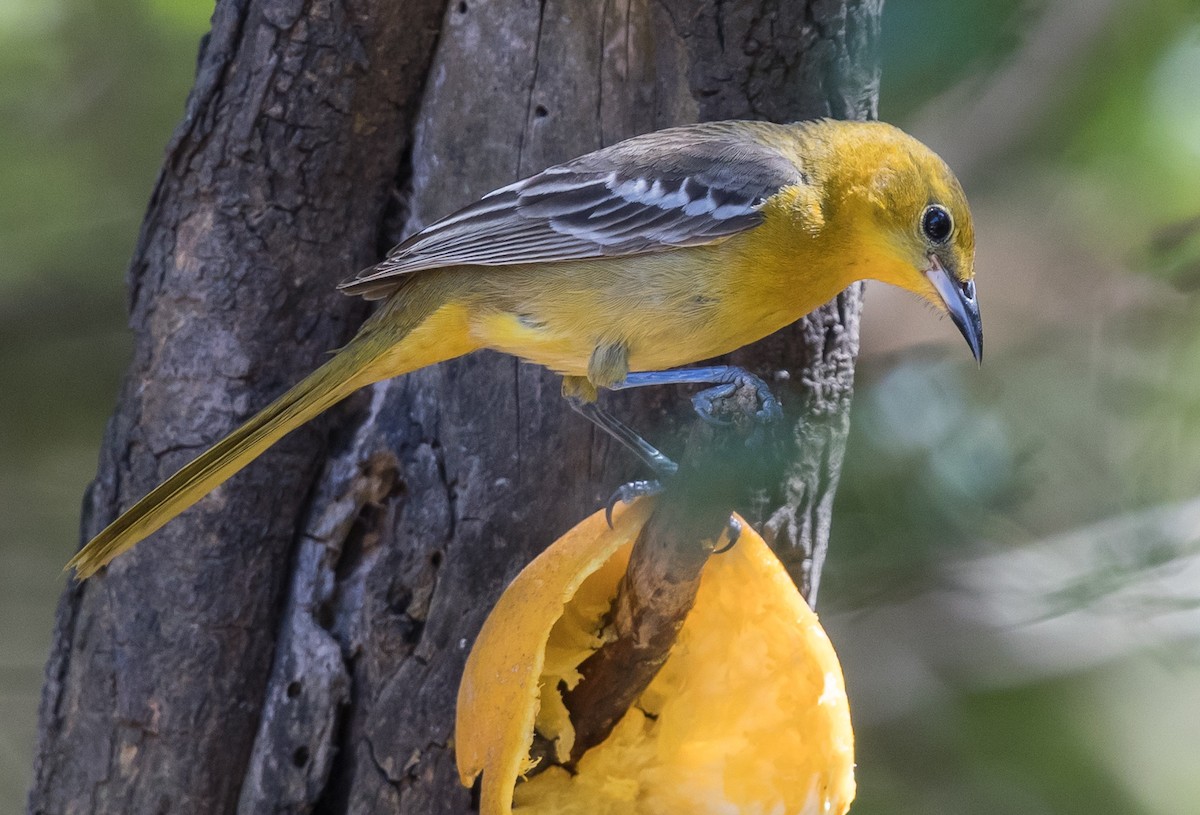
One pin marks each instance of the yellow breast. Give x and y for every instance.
(669, 308)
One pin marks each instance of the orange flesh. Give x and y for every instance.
(749, 714)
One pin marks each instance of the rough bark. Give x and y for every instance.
(273, 186)
(294, 642)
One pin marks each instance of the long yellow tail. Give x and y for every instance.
(388, 347)
(323, 388)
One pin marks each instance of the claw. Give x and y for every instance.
(769, 409)
(628, 492)
(735, 532)
(702, 403)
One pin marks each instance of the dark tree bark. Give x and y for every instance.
(294, 642)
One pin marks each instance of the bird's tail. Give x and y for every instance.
(368, 358)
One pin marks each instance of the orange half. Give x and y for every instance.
(748, 715)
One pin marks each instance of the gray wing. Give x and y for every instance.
(680, 187)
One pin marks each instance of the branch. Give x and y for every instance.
(663, 575)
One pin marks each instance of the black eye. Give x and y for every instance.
(936, 223)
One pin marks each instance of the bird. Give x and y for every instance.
(616, 268)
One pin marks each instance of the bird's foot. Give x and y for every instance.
(626, 493)
(713, 405)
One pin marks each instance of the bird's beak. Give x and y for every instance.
(959, 300)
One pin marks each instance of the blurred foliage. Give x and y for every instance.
(1089, 412)
(89, 92)
(1087, 409)
(931, 46)
(1136, 117)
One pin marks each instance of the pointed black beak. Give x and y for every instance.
(961, 305)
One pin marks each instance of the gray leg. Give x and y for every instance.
(727, 379)
(614, 427)
(641, 448)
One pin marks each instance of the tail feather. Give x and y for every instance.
(418, 326)
(325, 387)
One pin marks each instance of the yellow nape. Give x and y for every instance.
(749, 714)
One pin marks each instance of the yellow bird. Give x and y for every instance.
(656, 252)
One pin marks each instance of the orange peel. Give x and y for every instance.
(748, 715)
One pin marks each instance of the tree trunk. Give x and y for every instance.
(294, 642)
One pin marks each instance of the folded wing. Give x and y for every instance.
(681, 187)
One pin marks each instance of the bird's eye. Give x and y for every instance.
(936, 223)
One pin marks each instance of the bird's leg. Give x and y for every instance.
(614, 427)
(609, 363)
(726, 378)
(641, 448)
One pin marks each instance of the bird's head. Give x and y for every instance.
(913, 222)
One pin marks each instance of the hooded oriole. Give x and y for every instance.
(656, 252)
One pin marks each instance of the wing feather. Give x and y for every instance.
(686, 186)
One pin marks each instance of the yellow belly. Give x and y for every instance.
(653, 344)
(667, 310)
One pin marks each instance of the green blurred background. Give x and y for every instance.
(1014, 584)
